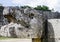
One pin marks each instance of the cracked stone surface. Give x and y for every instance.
(26, 24)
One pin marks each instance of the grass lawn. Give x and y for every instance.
(4, 38)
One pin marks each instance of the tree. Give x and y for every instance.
(38, 8)
(44, 8)
(25, 6)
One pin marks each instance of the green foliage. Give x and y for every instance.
(44, 8)
(6, 38)
(25, 6)
(38, 8)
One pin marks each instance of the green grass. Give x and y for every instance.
(4, 38)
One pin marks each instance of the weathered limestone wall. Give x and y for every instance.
(54, 30)
(50, 14)
(26, 24)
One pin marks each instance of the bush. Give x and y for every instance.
(25, 6)
(44, 8)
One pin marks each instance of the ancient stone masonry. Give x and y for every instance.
(27, 23)
(22, 23)
(50, 14)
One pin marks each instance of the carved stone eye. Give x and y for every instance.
(31, 15)
(27, 26)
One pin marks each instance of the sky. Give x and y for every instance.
(52, 4)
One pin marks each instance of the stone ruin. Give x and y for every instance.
(27, 23)
(21, 23)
